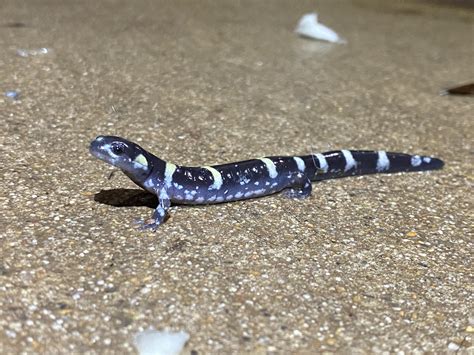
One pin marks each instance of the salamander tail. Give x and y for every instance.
(344, 163)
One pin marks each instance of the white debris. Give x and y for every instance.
(153, 342)
(32, 52)
(12, 94)
(453, 346)
(311, 28)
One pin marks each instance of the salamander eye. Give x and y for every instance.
(118, 148)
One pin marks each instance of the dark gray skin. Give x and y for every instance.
(245, 179)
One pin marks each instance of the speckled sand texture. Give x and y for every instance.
(366, 265)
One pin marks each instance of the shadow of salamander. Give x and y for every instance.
(131, 198)
(126, 198)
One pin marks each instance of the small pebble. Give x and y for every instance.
(12, 94)
(10, 333)
(411, 234)
(297, 333)
(453, 346)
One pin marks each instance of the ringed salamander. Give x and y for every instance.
(245, 179)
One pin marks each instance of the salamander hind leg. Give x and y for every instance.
(299, 187)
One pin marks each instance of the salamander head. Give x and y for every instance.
(133, 160)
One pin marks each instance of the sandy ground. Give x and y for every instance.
(368, 264)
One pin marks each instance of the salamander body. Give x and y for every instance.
(245, 179)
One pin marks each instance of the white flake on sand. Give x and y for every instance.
(309, 27)
(153, 342)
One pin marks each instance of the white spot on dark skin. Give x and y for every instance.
(169, 171)
(149, 183)
(141, 161)
(163, 195)
(216, 185)
(244, 180)
(300, 163)
(272, 172)
(383, 163)
(323, 164)
(350, 162)
(415, 161)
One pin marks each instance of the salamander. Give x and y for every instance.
(245, 179)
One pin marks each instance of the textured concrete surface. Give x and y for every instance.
(370, 264)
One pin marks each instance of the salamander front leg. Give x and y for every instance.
(159, 214)
(300, 187)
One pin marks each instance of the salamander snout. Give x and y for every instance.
(98, 147)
